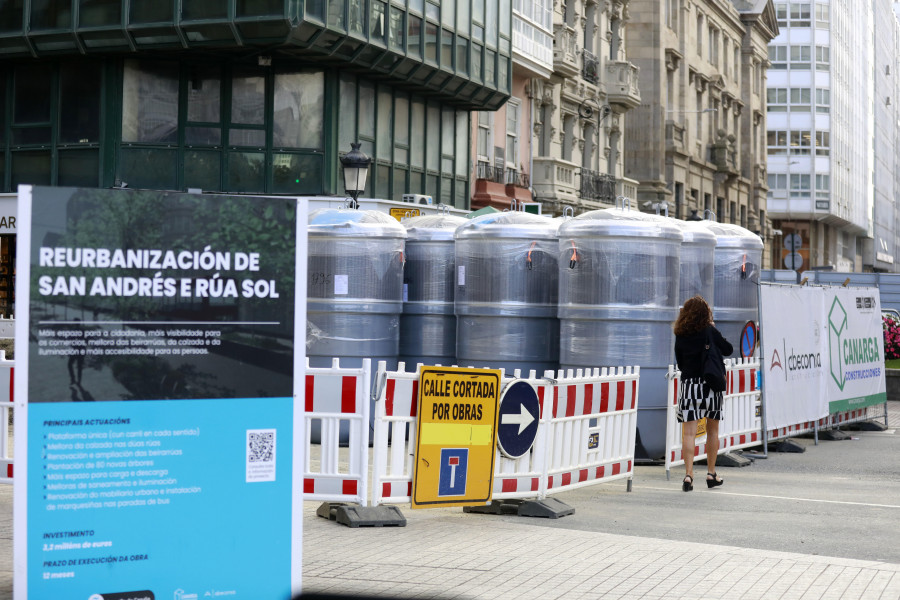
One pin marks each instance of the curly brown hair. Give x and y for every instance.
(695, 316)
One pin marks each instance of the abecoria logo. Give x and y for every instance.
(843, 350)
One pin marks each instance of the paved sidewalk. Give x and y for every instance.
(444, 554)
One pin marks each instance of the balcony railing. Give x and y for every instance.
(590, 67)
(598, 186)
(484, 170)
(516, 178)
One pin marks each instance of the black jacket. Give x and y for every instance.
(689, 350)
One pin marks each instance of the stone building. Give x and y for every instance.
(701, 140)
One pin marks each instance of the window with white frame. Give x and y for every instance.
(823, 100)
(800, 14)
(777, 99)
(512, 133)
(778, 56)
(800, 99)
(801, 141)
(800, 57)
(800, 185)
(823, 16)
(713, 47)
(483, 144)
(823, 143)
(777, 142)
(777, 183)
(823, 58)
(699, 34)
(781, 14)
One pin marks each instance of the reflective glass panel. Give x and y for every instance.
(248, 97)
(148, 168)
(397, 29)
(203, 169)
(347, 118)
(203, 136)
(259, 8)
(79, 168)
(296, 174)
(204, 9)
(152, 11)
(366, 109)
(150, 102)
(247, 137)
(431, 41)
(246, 171)
(51, 14)
(79, 103)
(11, 15)
(204, 95)
(298, 120)
(383, 140)
(30, 167)
(31, 86)
(414, 36)
(92, 13)
(417, 139)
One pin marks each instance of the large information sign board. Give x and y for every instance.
(158, 412)
(457, 433)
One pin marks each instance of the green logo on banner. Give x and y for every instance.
(837, 324)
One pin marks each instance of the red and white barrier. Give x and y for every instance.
(7, 381)
(742, 423)
(338, 398)
(867, 413)
(576, 408)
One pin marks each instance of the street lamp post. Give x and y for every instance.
(356, 170)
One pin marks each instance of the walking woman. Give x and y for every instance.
(693, 327)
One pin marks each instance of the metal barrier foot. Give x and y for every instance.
(833, 435)
(786, 446)
(733, 459)
(549, 508)
(353, 515)
(867, 426)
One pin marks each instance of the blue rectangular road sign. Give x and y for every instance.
(454, 464)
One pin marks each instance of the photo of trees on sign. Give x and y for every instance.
(146, 295)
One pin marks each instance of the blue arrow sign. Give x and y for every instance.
(519, 415)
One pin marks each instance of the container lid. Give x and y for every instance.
(733, 236)
(432, 227)
(354, 223)
(618, 222)
(696, 234)
(511, 224)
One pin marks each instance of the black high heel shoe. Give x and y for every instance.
(715, 481)
(687, 485)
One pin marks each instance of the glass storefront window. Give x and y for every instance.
(348, 108)
(246, 172)
(8, 275)
(462, 142)
(79, 104)
(296, 174)
(203, 169)
(150, 102)
(247, 137)
(432, 150)
(30, 167)
(94, 13)
(383, 138)
(447, 49)
(417, 139)
(79, 168)
(203, 136)
(298, 121)
(248, 98)
(31, 88)
(204, 95)
(401, 130)
(152, 168)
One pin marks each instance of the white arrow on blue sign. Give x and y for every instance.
(519, 417)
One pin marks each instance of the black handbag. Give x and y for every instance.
(713, 365)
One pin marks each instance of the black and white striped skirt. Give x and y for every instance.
(698, 401)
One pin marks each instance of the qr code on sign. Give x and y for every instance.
(261, 446)
(261, 454)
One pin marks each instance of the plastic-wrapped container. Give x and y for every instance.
(428, 322)
(618, 296)
(354, 291)
(738, 262)
(506, 292)
(697, 273)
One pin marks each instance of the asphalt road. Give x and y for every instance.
(838, 498)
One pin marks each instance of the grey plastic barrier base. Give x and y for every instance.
(732, 459)
(786, 446)
(866, 426)
(833, 435)
(352, 515)
(549, 508)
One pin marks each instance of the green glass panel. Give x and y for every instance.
(447, 49)
(400, 186)
(2, 110)
(417, 139)
(248, 96)
(150, 102)
(447, 191)
(397, 29)
(347, 116)
(203, 136)
(503, 74)
(431, 41)
(316, 8)
(416, 5)
(51, 14)
(414, 36)
(385, 131)
(297, 174)
(377, 24)
(11, 15)
(505, 18)
(491, 26)
(152, 11)
(246, 172)
(464, 20)
(79, 103)
(382, 181)
(367, 109)
(476, 62)
(433, 11)
(462, 142)
(203, 169)
(95, 13)
(259, 8)
(149, 168)
(432, 148)
(299, 116)
(448, 13)
(31, 135)
(336, 14)
(3, 172)
(462, 55)
(416, 182)
(204, 9)
(357, 17)
(204, 95)
(79, 168)
(459, 193)
(247, 137)
(31, 88)
(30, 168)
(490, 68)
(431, 186)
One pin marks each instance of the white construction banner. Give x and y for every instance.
(792, 329)
(855, 349)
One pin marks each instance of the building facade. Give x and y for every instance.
(700, 145)
(248, 96)
(571, 108)
(833, 135)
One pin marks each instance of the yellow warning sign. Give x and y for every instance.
(399, 213)
(456, 438)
